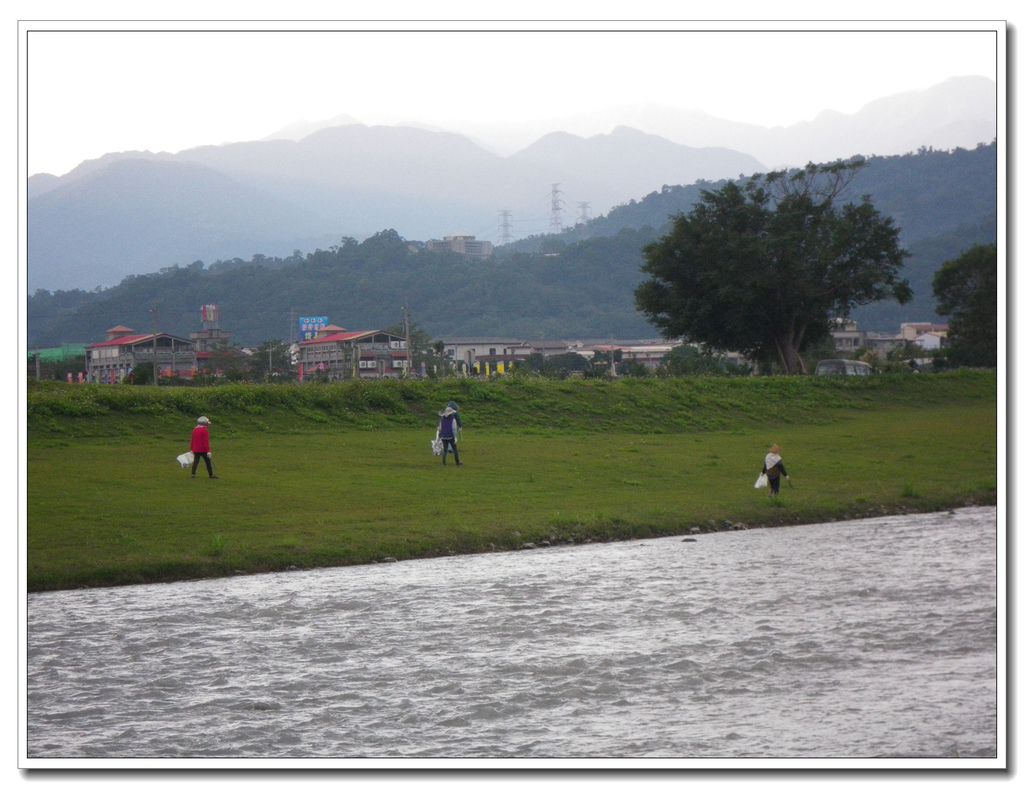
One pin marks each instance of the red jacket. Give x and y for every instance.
(200, 439)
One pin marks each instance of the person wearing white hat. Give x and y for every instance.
(201, 446)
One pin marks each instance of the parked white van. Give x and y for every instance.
(843, 367)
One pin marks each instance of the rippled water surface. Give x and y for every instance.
(857, 639)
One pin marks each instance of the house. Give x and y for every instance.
(114, 359)
(930, 340)
(341, 355)
(911, 331)
(883, 343)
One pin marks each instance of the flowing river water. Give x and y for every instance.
(872, 638)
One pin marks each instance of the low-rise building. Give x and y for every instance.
(911, 331)
(485, 354)
(930, 340)
(552, 347)
(463, 245)
(847, 338)
(114, 359)
(648, 354)
(342, 355)
(883, 343)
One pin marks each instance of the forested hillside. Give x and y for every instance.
(577, 284)
(928, 193)
(586, 291)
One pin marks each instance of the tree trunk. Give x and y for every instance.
(789, 355)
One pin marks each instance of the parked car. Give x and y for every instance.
(843, 367)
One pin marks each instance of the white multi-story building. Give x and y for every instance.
(463, 245)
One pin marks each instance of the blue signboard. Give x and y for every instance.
(309, 326)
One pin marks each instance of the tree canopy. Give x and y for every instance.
(966, 289)
(763, 267)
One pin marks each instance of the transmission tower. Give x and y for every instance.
(584, 212)
(556, 209)
(506, 225)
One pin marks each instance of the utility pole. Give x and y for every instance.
(506, 225)
(270, 362)
(556, 209)
(292, 321)
(408, 343)
(156, 368)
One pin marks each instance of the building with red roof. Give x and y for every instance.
(114, 359)
(340, 355)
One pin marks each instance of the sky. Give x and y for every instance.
(95, 91)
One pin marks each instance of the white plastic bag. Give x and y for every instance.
(186, 459)
(437, 446)
(762, 481)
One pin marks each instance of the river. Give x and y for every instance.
(870, 638)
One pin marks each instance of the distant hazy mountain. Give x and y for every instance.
(135, 212)
(296, 131)
(958, 112)
(139, 215)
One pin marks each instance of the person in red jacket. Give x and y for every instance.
(201, 446)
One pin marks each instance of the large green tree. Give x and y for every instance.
(966, 289)
(763, 267)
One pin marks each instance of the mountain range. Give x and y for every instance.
(129, 213)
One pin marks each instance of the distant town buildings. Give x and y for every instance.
(463, 245)
(331, 352)
(489, 355)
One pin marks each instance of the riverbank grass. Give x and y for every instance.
(117, 509)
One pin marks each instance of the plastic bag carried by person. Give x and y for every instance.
(762, 481)
(186, 459)
(437, 445)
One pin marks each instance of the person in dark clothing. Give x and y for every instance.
(448, 432)
(201, 446)
(773, 469)
(455, 407)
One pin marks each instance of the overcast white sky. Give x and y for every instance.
(92, 92)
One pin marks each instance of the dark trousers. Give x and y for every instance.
(195, 462)
(450, 443)
(775, 482)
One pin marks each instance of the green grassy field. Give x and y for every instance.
(350, 479)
